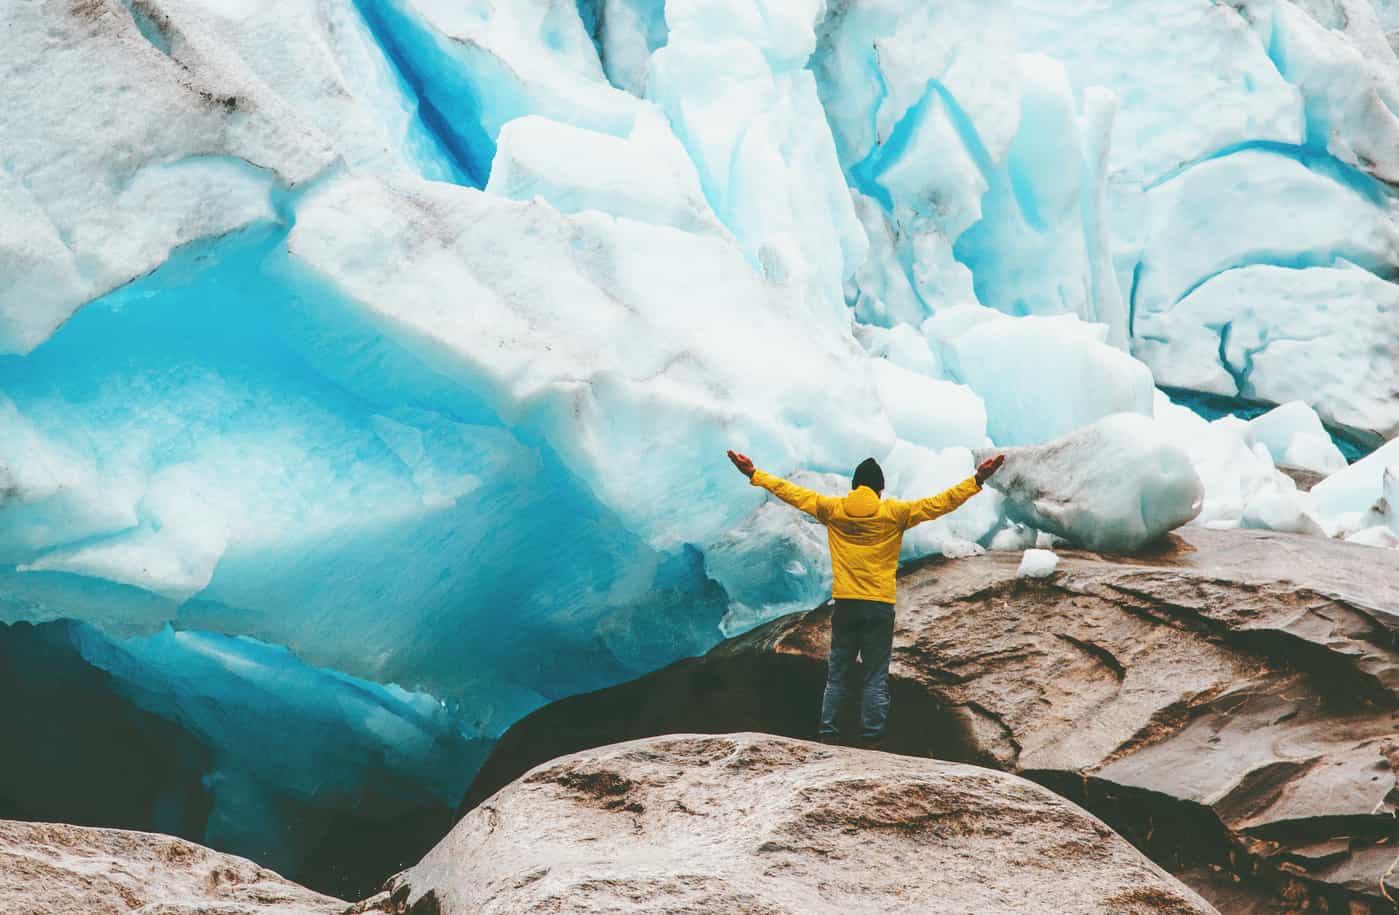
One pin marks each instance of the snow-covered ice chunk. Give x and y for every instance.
(1278, 508)
(325, 62)
(645, 176)
(1041, 246)
(1232, 466)
(1014, 537)
(116, 152)
(1328, 336)
(1240, 210)
(760, 139)
(1349, 87)
(1037, 564)
(1378, 536)
(928, 411)
(1294, 435)
(1040, 377)
(1114, 486)
(913, 472)
(1358, 487)
(902, 345)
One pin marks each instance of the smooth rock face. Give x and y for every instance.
(1230, 703)
(752, 823)
(53, 869)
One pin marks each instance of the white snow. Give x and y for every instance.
(1358, 487)
(1037, 564)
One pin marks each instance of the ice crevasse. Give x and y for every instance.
(410, 335)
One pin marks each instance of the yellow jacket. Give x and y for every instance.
(865, 532)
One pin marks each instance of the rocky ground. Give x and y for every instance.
(51, 869)
(751, 824)
(1230, 703)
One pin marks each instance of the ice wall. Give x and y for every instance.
(1111, 161)
(230, 743)
(408, 336)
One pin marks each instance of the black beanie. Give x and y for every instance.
(868, 474)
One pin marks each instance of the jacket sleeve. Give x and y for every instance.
(939, 505)
(813, 503)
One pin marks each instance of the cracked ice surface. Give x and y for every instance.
(1165, 118)
(160, 154)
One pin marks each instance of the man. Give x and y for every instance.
(865, 534)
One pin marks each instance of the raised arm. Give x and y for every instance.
(951, 500)
(813, 503)
(938, 505)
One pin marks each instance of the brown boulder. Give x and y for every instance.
(53, 869)
(1230, 702)
(752, 823)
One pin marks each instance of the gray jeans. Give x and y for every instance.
(864, 628)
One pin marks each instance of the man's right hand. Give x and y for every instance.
(987, 468)
(741, 461)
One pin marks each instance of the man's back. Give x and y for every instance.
(865, 532)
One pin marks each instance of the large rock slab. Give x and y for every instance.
(53, 869)
(1229, 702)
(752, 823)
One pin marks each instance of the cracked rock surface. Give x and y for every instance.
(753, 823)
(1229, 702)
(53, 869)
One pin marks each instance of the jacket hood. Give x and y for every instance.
(862, 502)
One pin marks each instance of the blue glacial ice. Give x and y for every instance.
(405, 338)
(231, 743)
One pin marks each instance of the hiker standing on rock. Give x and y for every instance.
(865, 534)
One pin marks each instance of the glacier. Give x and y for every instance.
(399, 342)
(229, 742)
